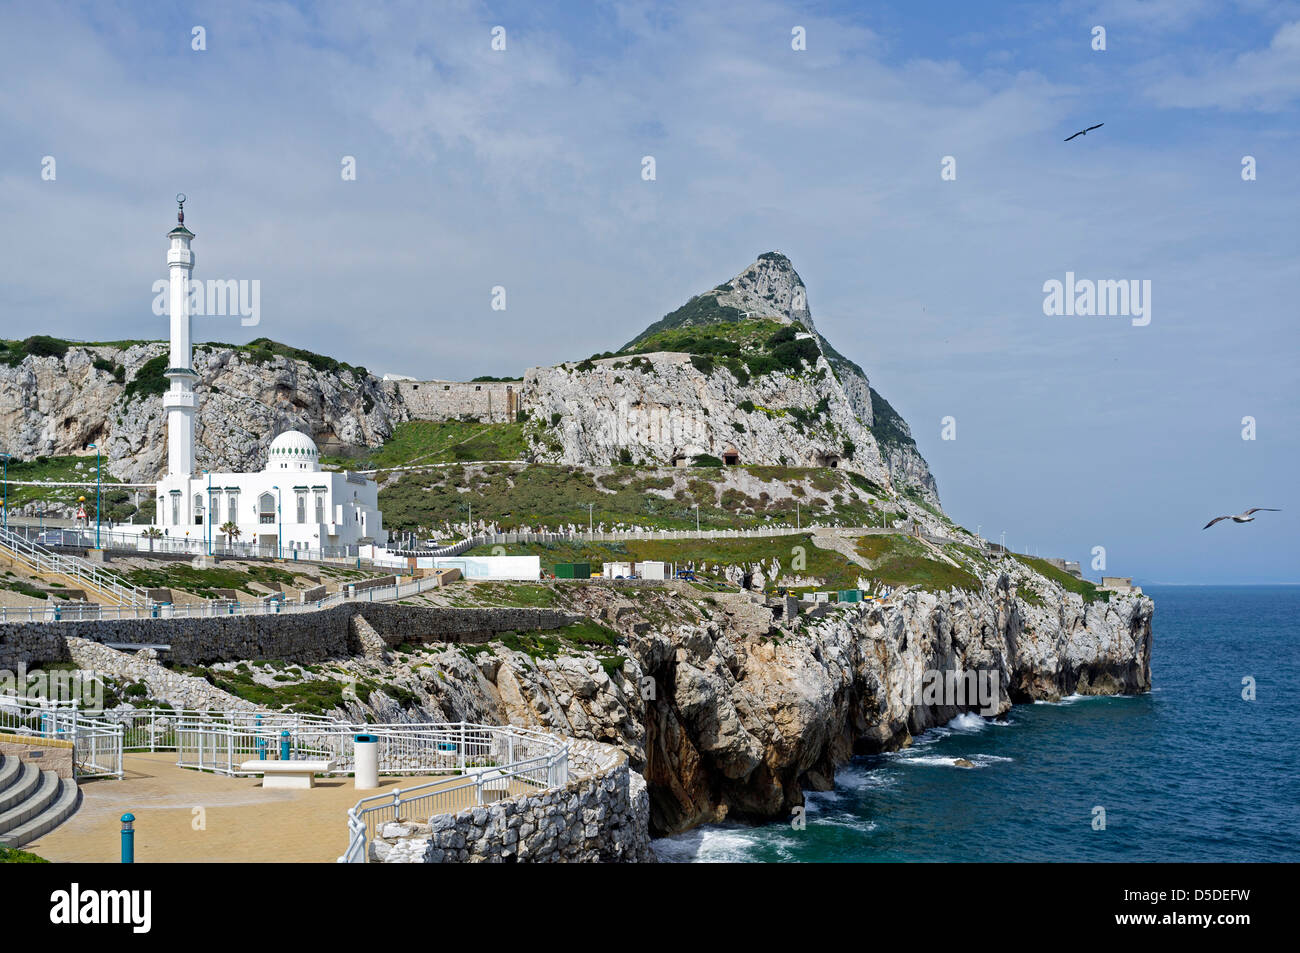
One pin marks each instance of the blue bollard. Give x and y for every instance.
(261, 742)
(128, 838)
(284, 745)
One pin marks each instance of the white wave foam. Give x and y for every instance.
(967, 721)
(1067, 699)
(848, 821)
(950, 761)
(708, 845)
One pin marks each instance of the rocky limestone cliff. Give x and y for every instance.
(58, 405)
(728, 712)
(662, 409)
(770, 289)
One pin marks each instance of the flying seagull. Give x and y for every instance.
(1242, 517)
(1084, 132)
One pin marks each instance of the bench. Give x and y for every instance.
(287, 774)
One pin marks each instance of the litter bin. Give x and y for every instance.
(366, 755)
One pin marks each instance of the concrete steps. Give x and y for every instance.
(32, 801)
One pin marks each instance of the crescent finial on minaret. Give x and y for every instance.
(180, 202)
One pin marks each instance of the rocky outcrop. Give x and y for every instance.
(53, 405)
(743, 727)
(770, 289)
(179, 690)
(660, 409)
(729, 711)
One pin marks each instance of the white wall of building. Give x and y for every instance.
(311, 509)
(524, 568)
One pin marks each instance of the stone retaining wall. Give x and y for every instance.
(602, 815)
(304, 637)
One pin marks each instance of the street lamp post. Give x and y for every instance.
(590, 524)
(696, 507)
(279, 528)
(209, 514)
(6, 500)
(98, 494)
(1004, 542)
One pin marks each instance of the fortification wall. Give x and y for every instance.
(487, 401)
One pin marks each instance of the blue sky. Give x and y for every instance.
(522, 168)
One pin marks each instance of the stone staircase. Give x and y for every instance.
(32, 801)
(70, 572)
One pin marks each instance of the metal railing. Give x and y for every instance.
(619, 536)
(135, 542)
(476, 759)
(38, 559)
(506, 761)
(96, 743)
(77, 612)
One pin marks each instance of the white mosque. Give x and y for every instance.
(291, 505)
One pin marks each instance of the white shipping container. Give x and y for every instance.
(651, 570)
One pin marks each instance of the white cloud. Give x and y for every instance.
(1267, 79)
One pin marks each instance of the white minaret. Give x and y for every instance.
(180, 401)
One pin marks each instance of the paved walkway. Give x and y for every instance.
(241, 821)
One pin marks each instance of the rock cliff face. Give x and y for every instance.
(662, 409)
(57, 405)
(730, 712)
(636, 413)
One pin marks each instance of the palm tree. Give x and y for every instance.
(152, 533)
(230, 529)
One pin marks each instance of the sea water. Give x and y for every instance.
(1191, 771)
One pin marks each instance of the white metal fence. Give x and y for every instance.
(80, 571)
(96, 743)
(76, 612)
(139, 544)
(622, 536)
(501, 760)
(477, 760)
